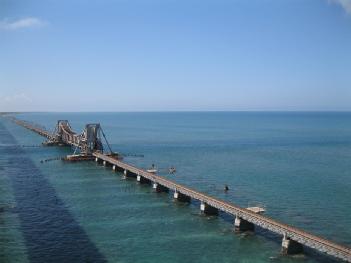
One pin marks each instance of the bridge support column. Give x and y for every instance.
(104, 163)
(291, 247)
(143, 180)
(160, 188)
(125, 172)
(243, 225)
(181, 197)
(207, 209)
(114, 167)
(96, 159)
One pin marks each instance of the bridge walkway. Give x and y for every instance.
(300, 236)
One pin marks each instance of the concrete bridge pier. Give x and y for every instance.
(125, 173)
(104, 163)
(207, 209)
(114, 167)
(243, 225)
(96, 159)
(160, 188)
(291, 247)
(143, 180)
(181, 197)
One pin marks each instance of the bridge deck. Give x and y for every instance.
(33, 128)
(265, 222)
(300, 236)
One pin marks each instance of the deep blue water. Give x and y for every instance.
(297, 164)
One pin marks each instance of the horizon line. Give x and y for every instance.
(174, 111)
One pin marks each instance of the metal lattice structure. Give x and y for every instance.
(89, 141)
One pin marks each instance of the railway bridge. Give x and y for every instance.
(89, 142)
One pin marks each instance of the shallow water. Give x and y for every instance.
(297, 164)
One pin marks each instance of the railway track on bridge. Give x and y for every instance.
(293, 238)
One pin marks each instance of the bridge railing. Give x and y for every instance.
(265, 222)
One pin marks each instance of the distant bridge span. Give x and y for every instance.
(89, 142)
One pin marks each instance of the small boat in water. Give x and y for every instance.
(152, 170)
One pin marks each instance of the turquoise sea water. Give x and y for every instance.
(297, 164)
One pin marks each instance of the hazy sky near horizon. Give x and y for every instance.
(104, 55)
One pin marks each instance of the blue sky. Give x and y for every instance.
(154, 55)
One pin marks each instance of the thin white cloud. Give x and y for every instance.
(18, 97)
(28, 22)
(346, 4)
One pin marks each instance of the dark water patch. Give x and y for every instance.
(7, 208)
(51, 233)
